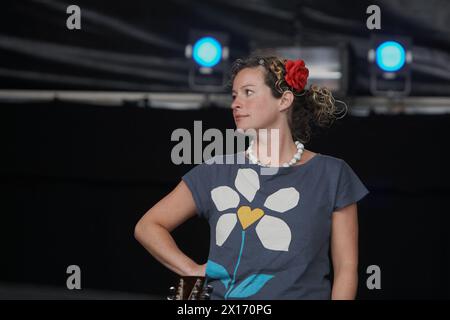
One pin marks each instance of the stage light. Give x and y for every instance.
(389, 60)
(390, 56)
(207, 52)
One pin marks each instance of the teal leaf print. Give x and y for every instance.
(216, 271)
(250, 286)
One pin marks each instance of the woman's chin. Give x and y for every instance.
(241, 127)
(246, 130)
(245, 126)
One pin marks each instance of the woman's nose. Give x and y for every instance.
(236, 104)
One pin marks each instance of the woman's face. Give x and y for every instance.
(254, 106)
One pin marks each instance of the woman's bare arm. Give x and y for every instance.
(154, 228)
(344, 252)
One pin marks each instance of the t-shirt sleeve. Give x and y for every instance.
(197, 181)
(349, 189)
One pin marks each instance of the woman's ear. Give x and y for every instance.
(286, 100)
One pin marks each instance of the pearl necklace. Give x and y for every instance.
(297, 155)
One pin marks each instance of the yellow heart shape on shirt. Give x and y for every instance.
(247, 216)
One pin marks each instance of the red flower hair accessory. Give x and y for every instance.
(296, 74)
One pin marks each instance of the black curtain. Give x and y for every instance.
(76, 178)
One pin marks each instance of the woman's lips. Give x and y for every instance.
(238, 117)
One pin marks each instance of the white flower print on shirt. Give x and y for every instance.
(273, 232)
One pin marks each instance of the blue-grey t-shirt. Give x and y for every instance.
(270, 234)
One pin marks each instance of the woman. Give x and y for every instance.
(270, 233)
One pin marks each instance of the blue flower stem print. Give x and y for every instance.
(246, 288)
(237, 264)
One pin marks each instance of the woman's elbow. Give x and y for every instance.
(138, 231)
(144, 227)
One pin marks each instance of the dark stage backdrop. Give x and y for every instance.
(76, 178)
